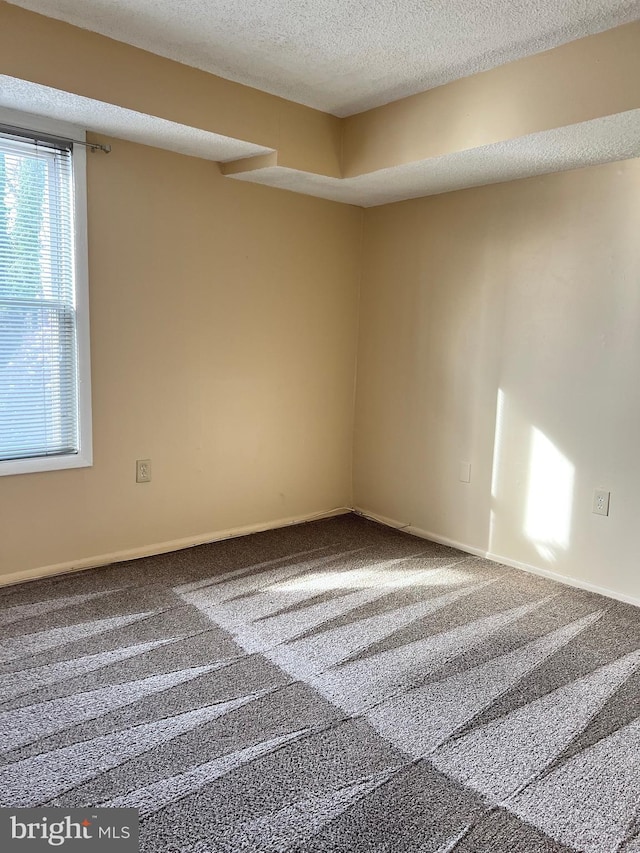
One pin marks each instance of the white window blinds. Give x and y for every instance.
(38, 339)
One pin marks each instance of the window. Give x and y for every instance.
(45, 415)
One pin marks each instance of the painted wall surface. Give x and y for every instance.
(223, 333)
(501, 326)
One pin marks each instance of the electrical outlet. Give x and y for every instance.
(464, 474)
(601, 502)
(143, 471)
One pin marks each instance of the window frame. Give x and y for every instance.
(84, 457)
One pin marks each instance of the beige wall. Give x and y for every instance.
(521, 299)
(223, 324)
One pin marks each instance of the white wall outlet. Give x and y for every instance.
(143, 471)
(465, 472)
(601, 502)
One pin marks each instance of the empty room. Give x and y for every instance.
(319, 412)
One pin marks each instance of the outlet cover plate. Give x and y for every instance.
(601, 502)
(143, 471)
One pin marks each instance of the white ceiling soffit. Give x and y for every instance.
(589, 143)
(603, 140)
(122, 123)
(342, 57)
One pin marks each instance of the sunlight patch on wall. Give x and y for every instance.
(549, 497)
(497, 442)
(495, 472)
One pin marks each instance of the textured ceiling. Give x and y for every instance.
(342, 57)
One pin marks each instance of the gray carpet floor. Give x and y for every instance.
(335, 686)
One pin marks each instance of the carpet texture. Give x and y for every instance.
(335, 686)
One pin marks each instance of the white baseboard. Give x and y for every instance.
(230, 533)
(498, 558)
(161, 547)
